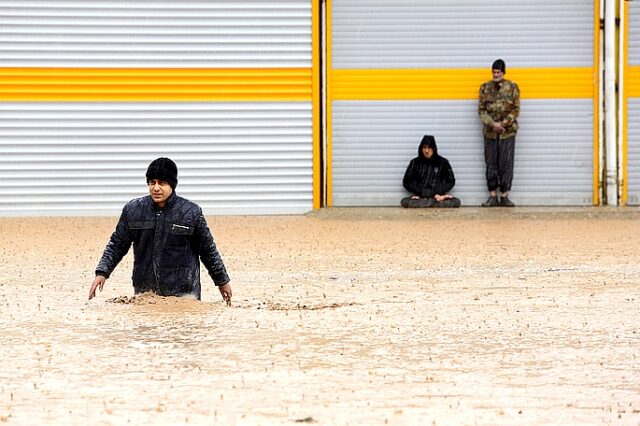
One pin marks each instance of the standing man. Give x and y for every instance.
(170, 237)
(499, 109)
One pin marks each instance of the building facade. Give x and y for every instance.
(91, 92)
(280, 107)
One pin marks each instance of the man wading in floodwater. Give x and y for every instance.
(169, 235)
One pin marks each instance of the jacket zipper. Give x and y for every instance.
(154, 257)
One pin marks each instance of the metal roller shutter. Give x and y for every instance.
(379, 138)
(634, 152)
(91, 92)
(87, 158)
(634, 33)
(461, 33)
(633, 107)
(373, 139)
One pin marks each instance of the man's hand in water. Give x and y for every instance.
(99, 282)
(225, 291)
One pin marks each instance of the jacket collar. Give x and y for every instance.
(170, 202)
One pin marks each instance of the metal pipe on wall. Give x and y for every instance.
(610, 101)
(620, 97)
(601, 164)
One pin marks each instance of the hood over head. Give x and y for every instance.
(430, 141)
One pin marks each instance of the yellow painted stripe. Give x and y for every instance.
(152, 84)
(448, 84)
(595, 182)
(315, 103)
(632, 83)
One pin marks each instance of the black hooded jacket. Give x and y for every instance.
(168, 244)
(427, 177)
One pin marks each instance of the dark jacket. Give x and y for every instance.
(168, 245)
(427, 177)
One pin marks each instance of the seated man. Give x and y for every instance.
(429, 177)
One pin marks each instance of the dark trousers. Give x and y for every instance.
(498, 156)
(410, 203)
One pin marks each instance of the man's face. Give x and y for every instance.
(427, 151)
(159, 190)
(497, 75)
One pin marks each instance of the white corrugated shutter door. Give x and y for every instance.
(242, 156)
(633, 110)
(373, 141)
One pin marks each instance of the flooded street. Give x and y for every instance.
(342, 316)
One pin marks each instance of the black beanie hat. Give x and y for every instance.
(499, 64)
(163, 169)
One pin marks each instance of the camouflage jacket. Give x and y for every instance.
(499, 103)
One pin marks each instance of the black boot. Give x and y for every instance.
(506, 202)
(491, 202)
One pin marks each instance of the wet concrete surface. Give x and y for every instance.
(342, 316)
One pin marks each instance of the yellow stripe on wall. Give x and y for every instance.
(632, 82)
(455, 84)
(316, 104)
(152, 84)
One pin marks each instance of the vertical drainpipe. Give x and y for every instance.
(610, 98)
(324, 28)
(621, 110)
(600, 198)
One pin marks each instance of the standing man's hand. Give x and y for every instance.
(97, 282)
(497, 127)
(225, 291)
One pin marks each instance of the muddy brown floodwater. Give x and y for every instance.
(342, 316)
